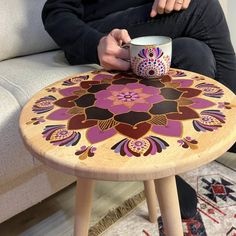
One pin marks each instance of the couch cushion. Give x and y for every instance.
(20, 79)
(24, 76)
(21, 28)
(14, 159)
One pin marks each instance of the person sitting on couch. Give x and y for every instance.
(91, 31)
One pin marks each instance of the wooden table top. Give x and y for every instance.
(116, 126)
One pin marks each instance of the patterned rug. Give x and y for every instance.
(216, 189)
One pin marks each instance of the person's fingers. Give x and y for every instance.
(122, 53)
(161, 6)
(120, 35)
(178, 5)
(112, 63)
(111, 55)
(154, 8)
(186, 4)
(169, 6)
(110, 46)
(119, 52)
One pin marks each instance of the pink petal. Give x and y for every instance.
(102, 94)
(172, 129)
(69, 91)
(119, 109)
(184, 83)
(95, 135)
(116, 87)
(105, 103)
(141, 107)
(201, 103)
(60, 114)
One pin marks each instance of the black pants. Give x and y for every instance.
(201, 43)
(201, 39)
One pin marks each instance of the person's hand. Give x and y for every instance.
(110, 53)
(167, 6)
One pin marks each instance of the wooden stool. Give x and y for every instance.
(119, 127)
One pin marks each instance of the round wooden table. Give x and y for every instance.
(116, 126)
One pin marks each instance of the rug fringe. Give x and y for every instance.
(115, 214)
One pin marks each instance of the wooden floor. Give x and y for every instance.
(54, 216)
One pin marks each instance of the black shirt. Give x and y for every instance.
(65, 21)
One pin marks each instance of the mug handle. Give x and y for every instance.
(125, 45)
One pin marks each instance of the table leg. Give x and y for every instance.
(169, 205)
(151, 198)
(83, 205)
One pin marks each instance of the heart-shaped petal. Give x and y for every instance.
(185, 113)
(79, 122)
(134, 132)
(66, 102)
(200, 103)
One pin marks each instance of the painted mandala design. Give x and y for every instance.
(85, 152)
(138, 109)
(176, 73)
(44, 104)
(210, 120)
(211, 90)
(75, 80)
(188, 142)
(151, 61)
(36, 120)
(145, 146)
(58, 135)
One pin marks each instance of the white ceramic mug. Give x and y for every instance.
(150, 56)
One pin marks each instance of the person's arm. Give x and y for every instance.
(62, 19)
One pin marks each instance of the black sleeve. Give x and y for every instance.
(62, 19)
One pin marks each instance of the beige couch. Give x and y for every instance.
(24, 70)
(26, 66)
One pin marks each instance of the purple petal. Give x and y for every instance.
(100, 77)
(155, 98)
(95, 135)
(127, 152)
(119, 109)
(184, 83)
(116, 87)
(172, 128)
(60, 114)
(135, 86)
(154, 147)
(201, 103)
(103, 103)
(69, 91)
(151, 90)
(102, 94)
(141, 107)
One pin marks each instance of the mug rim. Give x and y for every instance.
(169, 40)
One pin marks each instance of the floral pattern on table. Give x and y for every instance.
(145, 146)
(44, 104)
(85, 152)
(60, 136)
(141, 110)
(188, 142)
